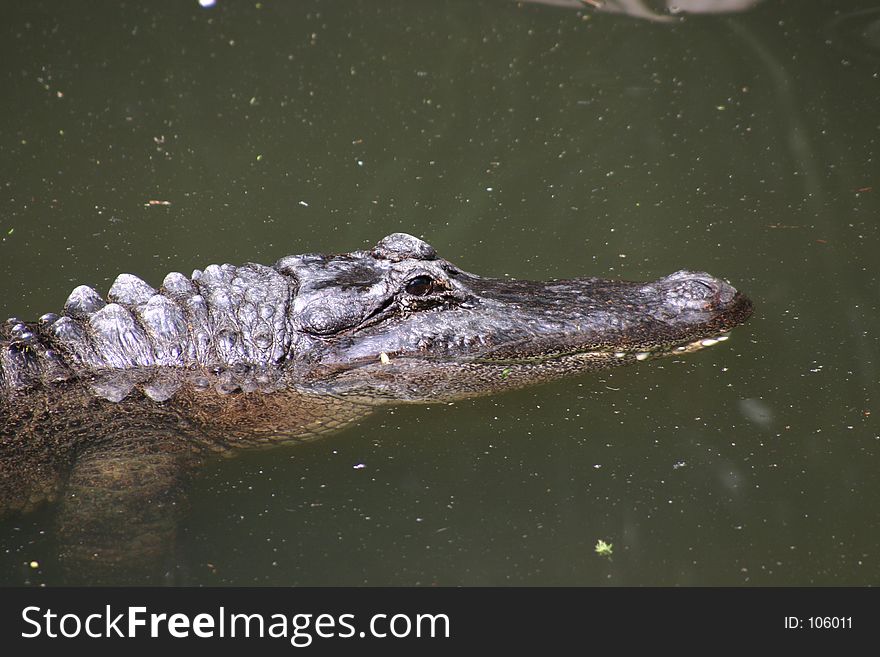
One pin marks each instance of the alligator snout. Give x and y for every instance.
(697, 291)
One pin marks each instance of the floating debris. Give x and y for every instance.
(604, 549)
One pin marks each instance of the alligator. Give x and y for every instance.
(108, 406)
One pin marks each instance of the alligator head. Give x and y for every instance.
(400, 322)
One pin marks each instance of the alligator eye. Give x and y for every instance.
(420, 286)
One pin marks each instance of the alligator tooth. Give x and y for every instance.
(708, 342)
(681, 348)
(82, 302)
(384, 359)
(722, 338)
(130, 290)
(619, 354)
(642, 355)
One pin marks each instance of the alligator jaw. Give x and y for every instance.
(612, 356)
(628, 350)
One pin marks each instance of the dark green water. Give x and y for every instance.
(527, 140)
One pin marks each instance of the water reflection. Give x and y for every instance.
(656, 10)
(855, 33)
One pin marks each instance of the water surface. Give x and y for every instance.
(519, 139)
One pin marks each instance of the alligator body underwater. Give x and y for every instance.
(107, 406)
